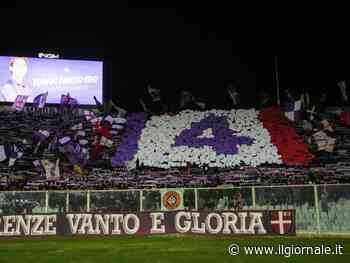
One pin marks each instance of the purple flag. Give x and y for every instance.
(73, 102)
(67, 100)
(74, 153)
(40, 100)
(41, 135)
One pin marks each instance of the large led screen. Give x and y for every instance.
(82, 79)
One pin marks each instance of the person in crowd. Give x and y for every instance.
(338, 95)
(154, 103)
(287, 96)
(188, 101)
(323, 101)
(265, 100)
(232, 90)
(99, 105)
(305, 100)
(343, 94)
(238, 202)
(109, 107)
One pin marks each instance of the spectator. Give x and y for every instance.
(265, 100)
(238, 201)
(154, 103)
(188, 102)
(232, 90)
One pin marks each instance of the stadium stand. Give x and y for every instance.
(85, 142)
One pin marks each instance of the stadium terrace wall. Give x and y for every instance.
(319, 209)
(250, 222)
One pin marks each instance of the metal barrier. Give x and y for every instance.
(320, 209)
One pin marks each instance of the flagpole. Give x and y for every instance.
(277, 80)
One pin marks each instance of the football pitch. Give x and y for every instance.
(159, 249)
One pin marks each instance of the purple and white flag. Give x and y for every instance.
(40, 100)
(120, 120)
(81, 133)
(89, 115)
(77, 127)
(41, 135)
(292, 110)
(110, 119)
(3, 156)
(19, 102)
(67, 100)
(64, 140)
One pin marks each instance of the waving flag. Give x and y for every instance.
(73, 153)
(73, 103)
(215, 138)
(67, 100)
(12, 162)
(145, 109)
(19, 102)
(40, 136)
(110, 119)
(12, 152)
(52, 169)
(154, 93)
(39, 167)
(121, 112)
(89, 115)
(3, 156)
(106, 142)
(232, 91)
(324, 142)
(77, 127)
(40, 100)
(292, 110)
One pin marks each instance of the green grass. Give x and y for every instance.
(155, 249)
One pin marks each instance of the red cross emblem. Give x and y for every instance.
(281, 221)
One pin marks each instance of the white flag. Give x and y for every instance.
(81, 133)
(64, 140)
(109, 119)
(77, 127)
(3, 156)
(106, 142)
(12, 161)
(52, 170)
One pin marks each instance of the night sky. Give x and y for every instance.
(173, 48)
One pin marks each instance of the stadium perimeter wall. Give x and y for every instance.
(320, 209)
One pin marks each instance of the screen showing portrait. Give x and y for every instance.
(82, 79)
